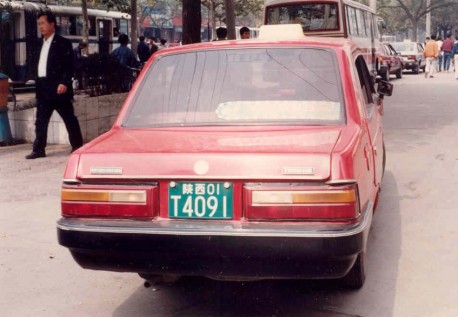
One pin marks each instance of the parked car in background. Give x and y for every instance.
(235, 160)
(412, 55)
(390, 62)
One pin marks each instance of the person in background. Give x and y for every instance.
(124, 54)
(54, 90)
(430, 52)
(221, 34)
(78, 58)
(455, 58)
(128, 60)
(163, 44)
(143, 50)
(244, 33)
(441, 55)
(152, 45)
(447, 47)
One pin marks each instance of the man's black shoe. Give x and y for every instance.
(35, 155)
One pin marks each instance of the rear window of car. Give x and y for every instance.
(404, 47)
(240, 87)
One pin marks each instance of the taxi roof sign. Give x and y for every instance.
(281, 32)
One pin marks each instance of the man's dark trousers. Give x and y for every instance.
(45, 108)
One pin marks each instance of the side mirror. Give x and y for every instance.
(384, 88)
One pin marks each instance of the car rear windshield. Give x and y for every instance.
(404, 47)
(240, 87)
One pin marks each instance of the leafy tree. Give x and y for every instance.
(242, 8)
(415, 10)
(443, 21)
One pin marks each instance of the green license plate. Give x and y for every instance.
(200, 200)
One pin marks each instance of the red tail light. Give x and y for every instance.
(301, 202)
(412, 57)
(112, 200)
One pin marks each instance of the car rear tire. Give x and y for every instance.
(386, 74)
(416, 69)
(399, 73)
(357, 275)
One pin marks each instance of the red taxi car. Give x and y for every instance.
(234, 160)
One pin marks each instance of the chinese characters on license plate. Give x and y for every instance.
(200, 200)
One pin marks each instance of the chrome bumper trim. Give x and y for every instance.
(207, 228)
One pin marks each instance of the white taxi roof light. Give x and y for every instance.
(281, 32)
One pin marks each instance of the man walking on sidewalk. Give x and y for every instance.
(431, 53)
(447, 47)
(54, 90)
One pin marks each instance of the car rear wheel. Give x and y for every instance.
(357, 275)
(416, 69)
(386, 74)
(399, 73)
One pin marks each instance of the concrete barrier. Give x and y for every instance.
(96, 115)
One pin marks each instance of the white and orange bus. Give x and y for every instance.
(332, 18)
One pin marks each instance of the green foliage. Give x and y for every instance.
(401, 15)
(242, 8)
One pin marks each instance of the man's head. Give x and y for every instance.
(123, 39)
(221, 33)
(141, 38)
(46, 23)
(433, 37)
(244, 33)
(82, 45)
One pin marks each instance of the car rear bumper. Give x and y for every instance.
(254, 250)
(410, 65)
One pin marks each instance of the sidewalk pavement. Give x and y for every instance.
(38, 178)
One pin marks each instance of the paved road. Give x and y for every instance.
(411, 255)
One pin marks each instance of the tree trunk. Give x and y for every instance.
(133, 26)
(192, 20)
(230, 19)
(414, 30)
(212, 20)
(85, 27)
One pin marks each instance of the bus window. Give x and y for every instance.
(76, 25)
(360, 22)
(62, 25)
(123, 26)
(369, 24)
(312, 16)
(351, 20)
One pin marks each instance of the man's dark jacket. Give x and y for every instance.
(59, 70)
